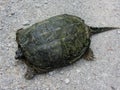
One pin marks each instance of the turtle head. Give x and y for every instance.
(19, 54)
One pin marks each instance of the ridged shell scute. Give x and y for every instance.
(55, 41)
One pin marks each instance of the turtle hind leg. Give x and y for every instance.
(89, 55)
(30, 73)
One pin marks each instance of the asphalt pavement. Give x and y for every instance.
(101, 74)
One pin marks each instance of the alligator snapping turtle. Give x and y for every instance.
(56, 42)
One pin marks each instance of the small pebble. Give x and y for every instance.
(119, 31)
(0, 28)
(25, 23)
(113, 88)
(74, 4)
(67, 80)
(51, 73)
(61, 72)
(37, 6)
(77, 70)
(106, 36)
(45, 2)
(11, 14)
(47, 88)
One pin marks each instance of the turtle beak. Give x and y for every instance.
(16, 56)
(19, 54)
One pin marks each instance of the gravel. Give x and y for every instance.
(67, 80)
(25, 23)
(119, 32)
(101, 74)
(0, 28)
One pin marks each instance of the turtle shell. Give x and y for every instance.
(54, 42)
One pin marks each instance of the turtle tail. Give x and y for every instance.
(96, 30)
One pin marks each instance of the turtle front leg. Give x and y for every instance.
(30, 73)
(89, 55)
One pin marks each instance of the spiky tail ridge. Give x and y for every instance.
(96, 30)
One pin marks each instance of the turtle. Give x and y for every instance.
(56, 42)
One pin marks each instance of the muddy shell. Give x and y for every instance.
(55, 42)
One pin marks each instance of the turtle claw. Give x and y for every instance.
(29, 74)
(89, 55)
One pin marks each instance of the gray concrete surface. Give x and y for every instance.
(101, 74)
